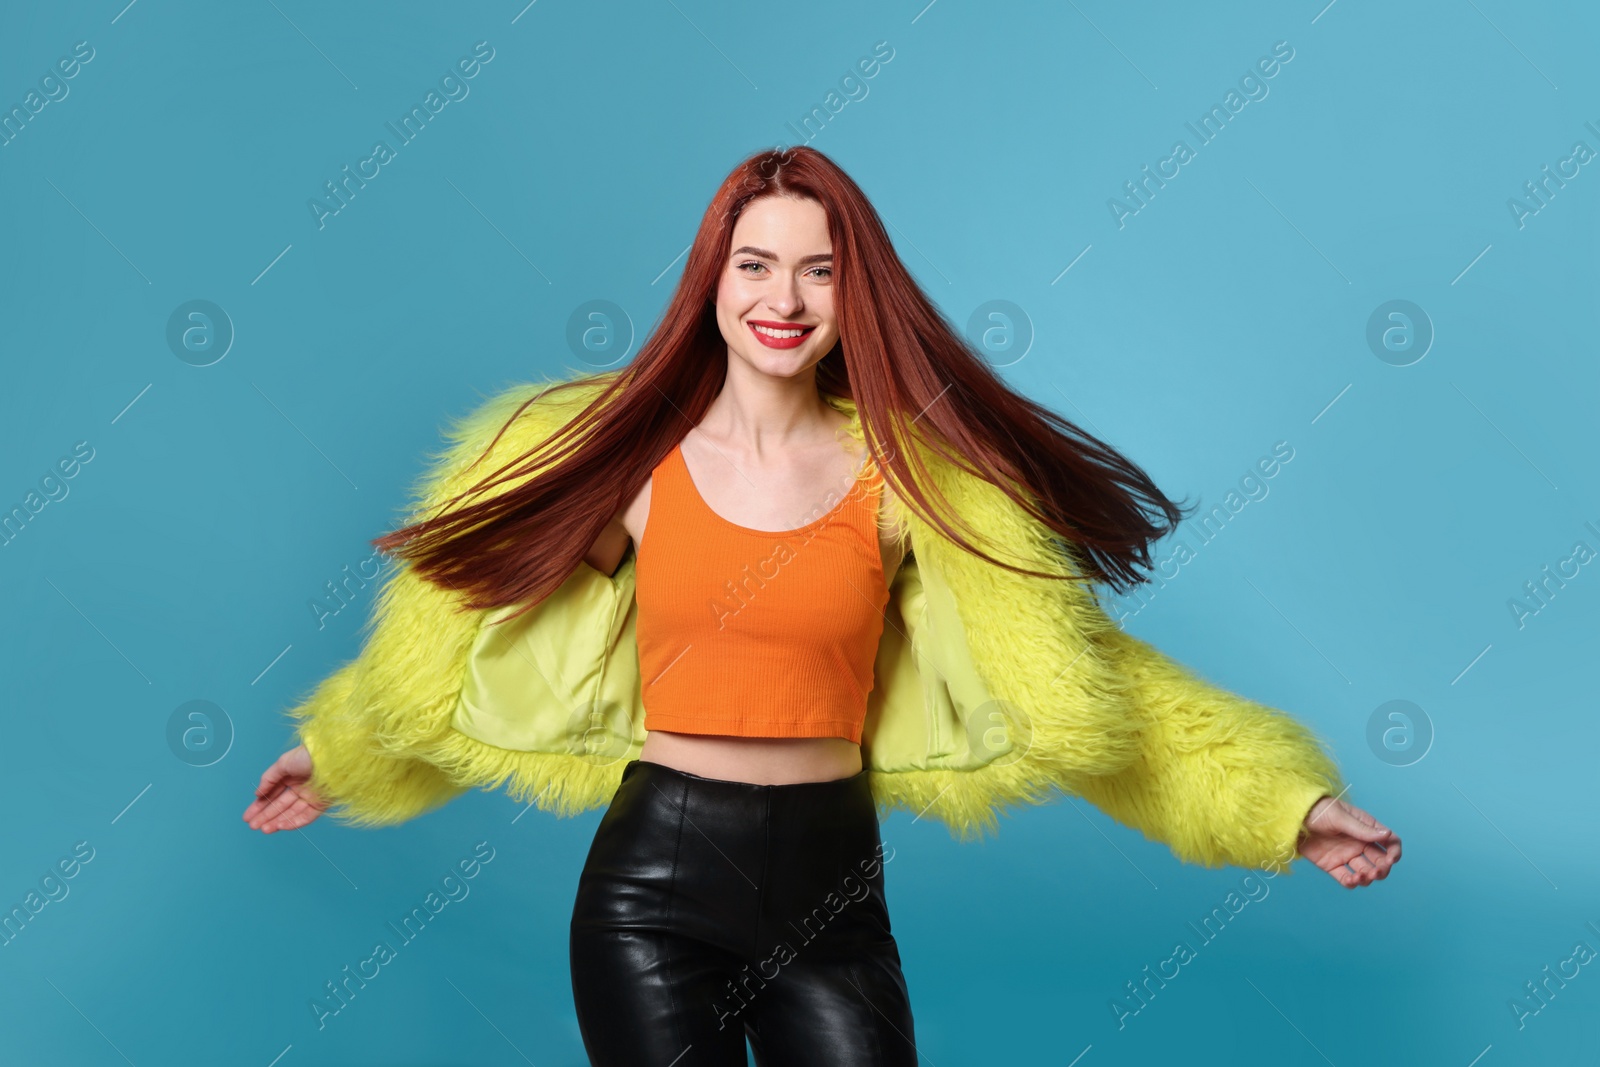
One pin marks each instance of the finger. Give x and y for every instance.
(1379, 859)
(1322, 820)
(282, 821)
(278, 804)
(1351, 878)
(1343, 875)
(1360, 814)
(1332, 859)
(1381, 831)
(256, 810)
(261, 801)
(300, 811)
(271, 777)
(1392, 846)
(1359, 824)
(1364, 869)
(298, 815)
(1341, 849)
(252, 814)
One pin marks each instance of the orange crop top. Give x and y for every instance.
(757, 633)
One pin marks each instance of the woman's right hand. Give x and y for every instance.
(283, 799)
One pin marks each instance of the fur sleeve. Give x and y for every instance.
(364, 783)
(374, 727)
(1219, 779)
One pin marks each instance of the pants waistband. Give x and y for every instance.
(740, 865)
(737, 790)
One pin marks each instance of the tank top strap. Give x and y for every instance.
(669, 480)
(869, 484)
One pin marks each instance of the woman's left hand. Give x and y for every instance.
(1349, 844)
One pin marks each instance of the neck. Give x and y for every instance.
(761, 412)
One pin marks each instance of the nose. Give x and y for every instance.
(784, 300)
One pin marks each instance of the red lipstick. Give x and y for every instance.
(791, 341)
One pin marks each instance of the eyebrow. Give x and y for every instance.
(820, 257)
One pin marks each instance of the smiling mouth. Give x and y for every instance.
(781, 334)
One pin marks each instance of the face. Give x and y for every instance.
(778, 278)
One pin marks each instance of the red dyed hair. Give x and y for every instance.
(897, 358)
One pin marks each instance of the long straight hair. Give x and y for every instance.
(897, 358)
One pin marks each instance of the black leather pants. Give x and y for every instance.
(709, 910)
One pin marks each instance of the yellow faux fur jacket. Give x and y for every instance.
(991, 689)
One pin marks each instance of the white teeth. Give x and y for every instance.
(779, 333)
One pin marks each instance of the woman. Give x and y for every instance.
(814, 477)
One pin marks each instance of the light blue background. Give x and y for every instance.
(1228, 314)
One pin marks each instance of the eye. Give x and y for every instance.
(827, 272)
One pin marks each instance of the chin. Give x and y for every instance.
(780, 364)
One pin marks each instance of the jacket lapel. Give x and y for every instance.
(1019, 696)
